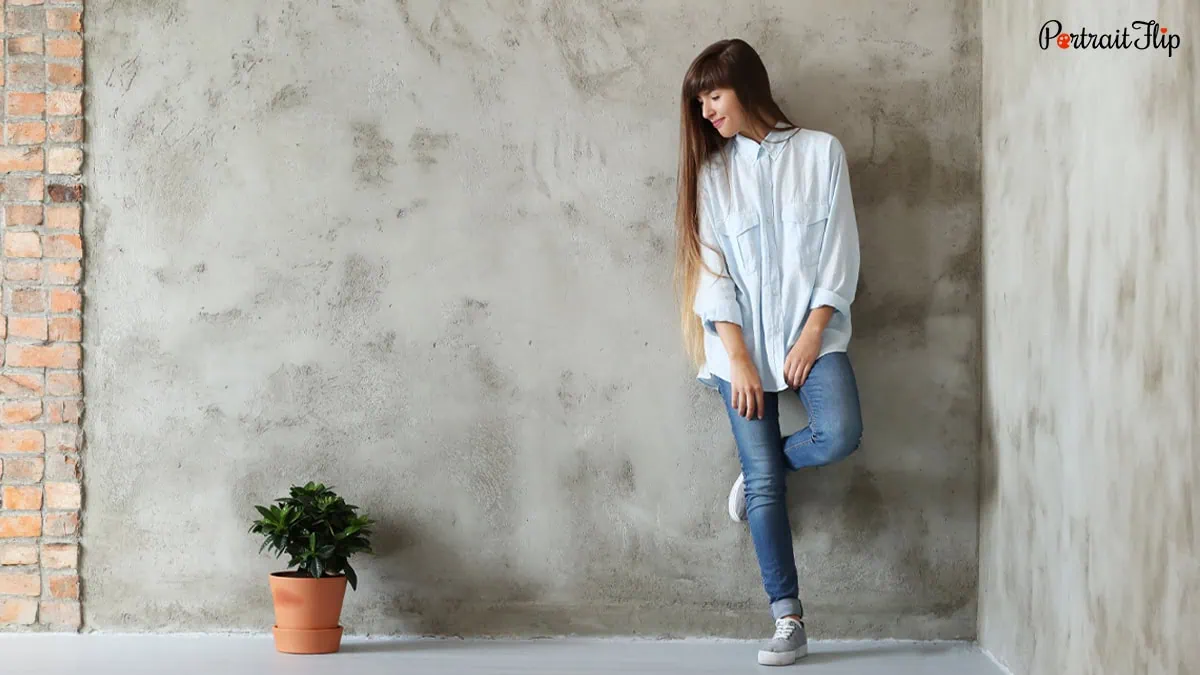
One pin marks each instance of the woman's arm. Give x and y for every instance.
(837, 269)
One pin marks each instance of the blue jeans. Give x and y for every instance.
(830, 395)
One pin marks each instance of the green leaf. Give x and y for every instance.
(314, 528)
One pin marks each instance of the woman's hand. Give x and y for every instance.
(747, 391)
(803, 354)
(801, 357)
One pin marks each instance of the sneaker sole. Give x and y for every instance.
(733, 500)
(781, 658)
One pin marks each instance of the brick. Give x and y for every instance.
(63, 217)
(22, 216)
(25, 2)
(21, 104)
(25, 20)
(20, 583)
(24, 188)
(64, 586)
(64, 20)
(16, 526)
(64, 384)
(61, 525)
(62, 467)
(64, 75)
(21, 159)
(26, 75)
(65, 273)
(65, 438)
(67, 161)
(43, 356)
(29, 469)
(21, 440)
(66, 412)
(60, 556)
(72, 409)
(19, 385)
(22, 245)
(18, 611)
(23, 270)
(25, 133)
(70, 47)
(60, 613)
(67, 131)
(27, 300)
(65, 193)
(63, 301)
(62, 246)
(21, 412)
(21, 498)
(63, 496)
(65, 329)
(18, 554)
(25, 45)
(32, 328)
(64, 103)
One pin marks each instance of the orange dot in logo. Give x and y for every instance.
(1064, 40)
(1164, 29)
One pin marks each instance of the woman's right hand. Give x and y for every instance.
(746, 390)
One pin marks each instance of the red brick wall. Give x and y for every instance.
(41, 393)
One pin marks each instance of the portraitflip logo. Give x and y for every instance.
(1146, 35)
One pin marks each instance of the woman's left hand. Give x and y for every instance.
(801, 357)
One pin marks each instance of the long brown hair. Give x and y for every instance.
(735, 65)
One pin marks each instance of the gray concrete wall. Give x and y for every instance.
(421, 251)
(1091, 198)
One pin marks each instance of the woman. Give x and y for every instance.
(767, 266)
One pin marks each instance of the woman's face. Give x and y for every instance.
(722, 109)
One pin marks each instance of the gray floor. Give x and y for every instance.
(44, 654)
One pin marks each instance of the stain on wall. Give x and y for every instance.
(421, 251)
(1092, 371)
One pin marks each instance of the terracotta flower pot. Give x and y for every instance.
(308, 613)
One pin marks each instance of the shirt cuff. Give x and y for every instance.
(823, 297)
(710, 318)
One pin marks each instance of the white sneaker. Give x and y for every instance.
(790, 643)
(737, 500)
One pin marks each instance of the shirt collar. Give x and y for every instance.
(772, 144)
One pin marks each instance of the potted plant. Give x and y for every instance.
(319, 532)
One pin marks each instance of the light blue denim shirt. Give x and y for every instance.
(782, 215)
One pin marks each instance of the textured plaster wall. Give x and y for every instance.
(1091, 198)
(421, 251)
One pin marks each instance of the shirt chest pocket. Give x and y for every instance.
(743, 230)
(806, 222)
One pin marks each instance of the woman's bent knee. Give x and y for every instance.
(842, 440)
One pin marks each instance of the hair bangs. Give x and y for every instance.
(709, 72)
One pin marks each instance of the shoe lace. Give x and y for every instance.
(785, 628)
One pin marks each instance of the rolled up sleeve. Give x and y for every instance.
(716, 295)
(837, 269)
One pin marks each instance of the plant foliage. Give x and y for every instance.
(317, 530)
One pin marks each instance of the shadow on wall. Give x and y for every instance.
(870, 522)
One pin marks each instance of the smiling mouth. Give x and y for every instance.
(718, 123)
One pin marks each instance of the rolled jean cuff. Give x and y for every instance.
(786, 607)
